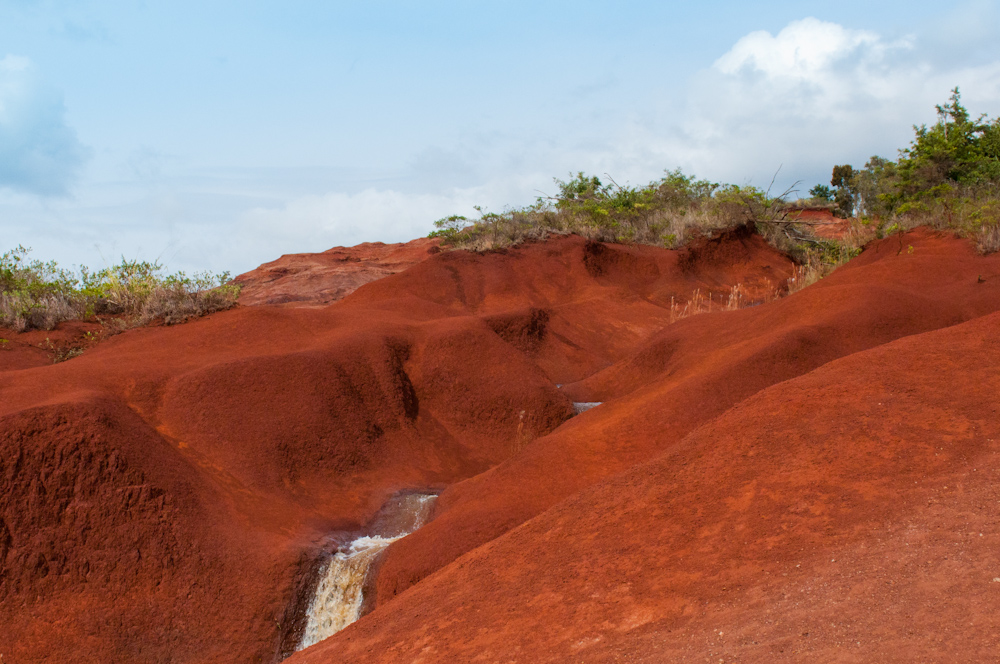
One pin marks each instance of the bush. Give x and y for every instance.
(949, 178)
(22, 311)
(175, 303)
(988, 238)
(34, 294)
(37, 295)
(668, 212)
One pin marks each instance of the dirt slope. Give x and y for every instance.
(821, 221)
(599, 301)
(276, 449)
(695, 370)
(845, 515)
(164, 495)
(328, 276)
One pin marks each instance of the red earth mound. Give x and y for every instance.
(692, 372)
(845, 515)
(821, 221)
(328, 276)
(165, 496)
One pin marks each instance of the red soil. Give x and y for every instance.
(803, 480)
(164, 496)
(38, 348)
(821, 221)
(692, 372)
(326, 277)
(705, 537)
(848, 515)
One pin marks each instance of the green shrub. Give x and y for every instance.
(821, 193)
(38, 295)
(948, 178)
(667, 212)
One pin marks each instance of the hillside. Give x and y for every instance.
(791, 478)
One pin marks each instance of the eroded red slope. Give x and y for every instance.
(695, 370)
(845, 515)
(329, 276)
(599, 301)
(164, 495)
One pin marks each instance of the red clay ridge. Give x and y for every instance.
(328, 276)
(807, 478)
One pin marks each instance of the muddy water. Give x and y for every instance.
(339, 595)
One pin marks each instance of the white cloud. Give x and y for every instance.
(39, 153)
(802, 50)
(812, 95)
(815, 94)
(372, 214)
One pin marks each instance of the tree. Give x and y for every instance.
(845, 195)
(821, 192)
(956, 149)
(579, 188)
(449, 227)
(876, 188)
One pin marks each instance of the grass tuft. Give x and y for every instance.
(40, 295)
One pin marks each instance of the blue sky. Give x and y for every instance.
(221, 135)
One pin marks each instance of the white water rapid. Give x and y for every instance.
(339, 596)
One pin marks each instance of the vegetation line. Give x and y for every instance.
(947, 178)
(39, 295)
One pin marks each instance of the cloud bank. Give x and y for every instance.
(814, 94)
(809, 96)
(39, 153)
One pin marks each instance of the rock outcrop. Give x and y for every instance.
(329, 276)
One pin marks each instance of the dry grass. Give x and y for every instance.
(738, 297)
(169, 305)
(521, 437)
(815, 265)
(173, 304)
(62, 352)
(38, 295)
(21, 311)
(988, 238)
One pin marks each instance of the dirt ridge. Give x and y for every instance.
(164, 494)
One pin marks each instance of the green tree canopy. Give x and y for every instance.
(955, 149)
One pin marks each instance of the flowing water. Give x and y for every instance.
(339, 595)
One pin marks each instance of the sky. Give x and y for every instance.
(218, 136)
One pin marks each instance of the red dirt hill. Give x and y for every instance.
(845, 515)
(326, 277)
(692, 372)
(164, 497)
(821, 221)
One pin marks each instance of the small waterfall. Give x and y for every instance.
(339, 595)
